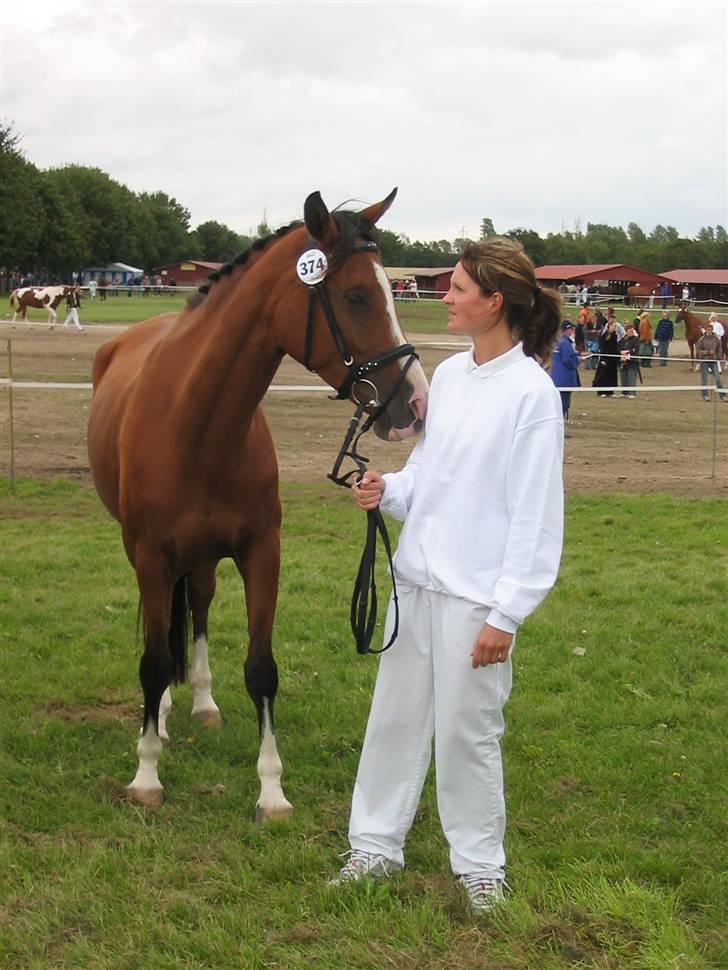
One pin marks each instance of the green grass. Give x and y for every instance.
(615, 760)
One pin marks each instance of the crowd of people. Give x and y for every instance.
(619, 352)
(405, 289)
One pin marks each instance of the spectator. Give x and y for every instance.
(719, 331)
(646, 346)
(92, 289)
(103, 286)
(597, 322)
(629, 365)
(564, 366)
(709, 352)
(607, 367)
(664, 334)
(685, 294)
(585, 295)
(665, 291)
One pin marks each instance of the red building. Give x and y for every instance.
(613, 278)
(187, 272)
(432, 281)
(709, 285)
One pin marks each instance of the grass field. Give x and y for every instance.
(615, 761)
(420, 316)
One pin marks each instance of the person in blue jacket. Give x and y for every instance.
(564, 365)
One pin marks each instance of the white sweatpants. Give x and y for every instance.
(72, 318)
(426, 685)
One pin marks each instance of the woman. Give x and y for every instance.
(629, 365)
(647, 348)
(564, 366)
(608, 366)
(482, 502)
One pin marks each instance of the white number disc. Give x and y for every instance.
(311, 266)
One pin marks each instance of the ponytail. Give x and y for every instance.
(533, 314)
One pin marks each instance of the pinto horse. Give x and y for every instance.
(41, 297)
(182, 456)
(693, 327)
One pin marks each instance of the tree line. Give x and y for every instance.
(59, 220)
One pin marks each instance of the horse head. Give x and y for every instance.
(353, 338)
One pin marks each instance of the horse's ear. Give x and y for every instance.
(319, 221)
(374, 213)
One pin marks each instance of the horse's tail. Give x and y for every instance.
(178, 627)
(14, 301)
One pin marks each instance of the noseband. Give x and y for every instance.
(363, 615)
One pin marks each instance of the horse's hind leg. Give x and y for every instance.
(259, 568)
(202, 590)
(156, 670)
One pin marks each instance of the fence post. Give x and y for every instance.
(715, 427)
(10, 403)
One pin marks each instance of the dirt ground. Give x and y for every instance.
(661, 441)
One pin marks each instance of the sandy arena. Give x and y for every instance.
(661, 441)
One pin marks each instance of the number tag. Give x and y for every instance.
(311, 266)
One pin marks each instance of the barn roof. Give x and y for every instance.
(570, 271)
(719, 276)
(400, 272)
(194, 262)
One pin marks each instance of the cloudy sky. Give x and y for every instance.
(537, 114)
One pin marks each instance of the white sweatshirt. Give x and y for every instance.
(482, 494)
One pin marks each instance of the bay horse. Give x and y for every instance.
(693, 328)
(182, 457)
(642, 293)
(41, 297)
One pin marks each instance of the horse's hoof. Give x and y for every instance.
(208, 719)
(148, 797)
(283, 810)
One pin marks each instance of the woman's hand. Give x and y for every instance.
(367, 493)
(491, 647)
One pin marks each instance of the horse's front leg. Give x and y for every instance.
(156, 670)
(259, 568)
(202, 590)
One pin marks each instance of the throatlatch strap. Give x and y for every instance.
(364, 599)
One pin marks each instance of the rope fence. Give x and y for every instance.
(710, 390)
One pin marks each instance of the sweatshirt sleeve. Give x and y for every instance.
(536, 510)
(400, 486)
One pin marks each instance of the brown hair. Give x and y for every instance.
(533, 315)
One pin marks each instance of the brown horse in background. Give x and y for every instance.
(693, 327)
(182, 456)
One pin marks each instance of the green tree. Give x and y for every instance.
(531, 242)
(172, 224)
(22, 215)
(487, 229)
(218, 243)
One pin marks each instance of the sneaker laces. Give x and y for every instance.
(483, 889)
(360, 863)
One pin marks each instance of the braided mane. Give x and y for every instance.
(351, 227)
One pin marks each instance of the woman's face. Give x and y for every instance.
(469, 309)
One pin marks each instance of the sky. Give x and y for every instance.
(545, 115)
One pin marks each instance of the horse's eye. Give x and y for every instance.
(355, 298)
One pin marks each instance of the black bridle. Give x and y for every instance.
(363, 615)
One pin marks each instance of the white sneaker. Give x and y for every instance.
(484, 892)
(365, 865)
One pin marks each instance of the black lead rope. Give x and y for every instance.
(364, 599)
(363, 614)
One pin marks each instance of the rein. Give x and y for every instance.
(363, 613)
